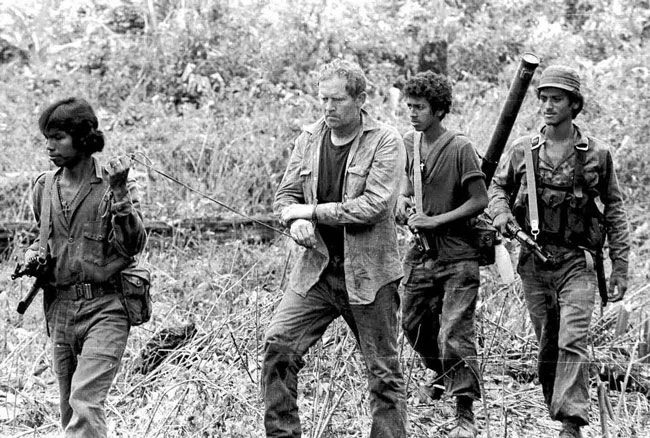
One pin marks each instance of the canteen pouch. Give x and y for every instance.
(135, 295)
(485, 236)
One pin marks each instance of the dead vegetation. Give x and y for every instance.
(194, 370)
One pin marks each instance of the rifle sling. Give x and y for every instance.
(417, 171)
(443, 141)
(533, 214)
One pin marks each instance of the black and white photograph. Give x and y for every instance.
(325, 218)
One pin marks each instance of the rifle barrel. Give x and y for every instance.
(25, 303)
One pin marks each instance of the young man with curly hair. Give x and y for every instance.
(441, 283)
(579, 203)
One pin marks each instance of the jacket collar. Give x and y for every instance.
(581, 141)
(99, 171)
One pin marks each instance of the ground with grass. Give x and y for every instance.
(205, 92)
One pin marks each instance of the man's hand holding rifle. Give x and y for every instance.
(33, 266)
(508, 227)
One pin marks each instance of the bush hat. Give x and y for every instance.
(565, 78)
(560, 76)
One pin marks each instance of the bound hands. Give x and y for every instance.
(303, 233)
(301, 227)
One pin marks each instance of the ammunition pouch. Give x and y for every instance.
(484, 237)
(135, 294)
(565, 219)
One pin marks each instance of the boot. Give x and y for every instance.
(434, 388)
(464, 427)
(570, 430)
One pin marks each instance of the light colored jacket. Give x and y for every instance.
(370, 189)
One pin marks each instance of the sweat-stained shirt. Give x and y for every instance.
(448, 166)
(103, 234)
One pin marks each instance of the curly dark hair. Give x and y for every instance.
(433, 87)
(75, 117)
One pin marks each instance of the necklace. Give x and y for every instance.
(66, 206)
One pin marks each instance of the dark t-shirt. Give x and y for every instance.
(331, 173)
(444, 182)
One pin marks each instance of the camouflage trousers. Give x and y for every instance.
(560, 301)
(438, 308)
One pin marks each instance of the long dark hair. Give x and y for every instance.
(75, 117)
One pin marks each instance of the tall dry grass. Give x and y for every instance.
(210, 385)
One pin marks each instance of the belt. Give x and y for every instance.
(86, 290)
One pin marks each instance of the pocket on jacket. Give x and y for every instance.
(306, 182)
(95, 246)
(356, 183)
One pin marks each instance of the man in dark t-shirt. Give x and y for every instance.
(337, 197)
(331, 175)
(441, 283)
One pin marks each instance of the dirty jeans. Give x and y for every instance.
(438, 308)
(88, 339)
(299, 322)
(560, 302)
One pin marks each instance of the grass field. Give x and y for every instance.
(214, 299)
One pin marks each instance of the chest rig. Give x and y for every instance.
(568, 213)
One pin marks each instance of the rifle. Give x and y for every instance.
(36, 270)
(514, 231)
(421, 241)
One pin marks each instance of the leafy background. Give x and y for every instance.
(214, 92)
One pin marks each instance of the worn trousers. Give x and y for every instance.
(88, 340)
(438, 309)
(299, 322)
(560, 302)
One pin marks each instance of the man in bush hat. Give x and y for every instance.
(338, 196)
(559, 185)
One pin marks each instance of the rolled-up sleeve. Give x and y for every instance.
(290, 189)
(128, 235)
